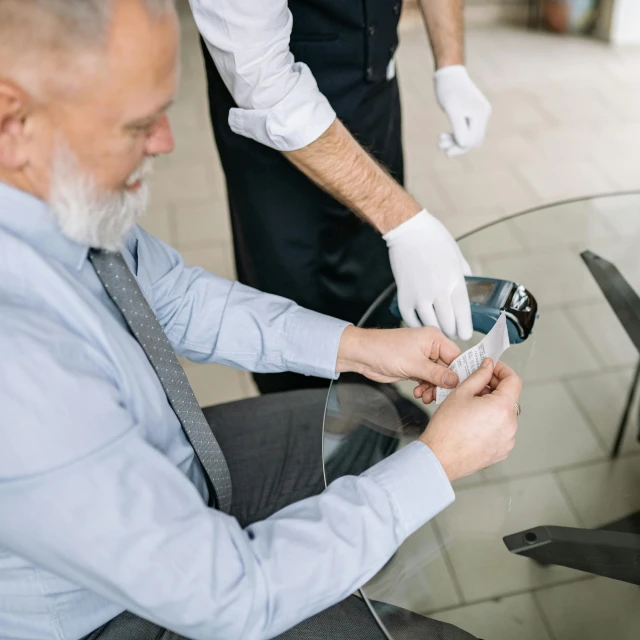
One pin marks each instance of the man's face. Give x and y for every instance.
(119, 114)
(90, 143)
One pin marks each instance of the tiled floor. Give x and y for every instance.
(566, 123)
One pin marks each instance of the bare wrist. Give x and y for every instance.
(349, 351)
(442, 459)
(393, 219)
(450, 60)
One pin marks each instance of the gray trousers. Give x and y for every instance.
(273, 446)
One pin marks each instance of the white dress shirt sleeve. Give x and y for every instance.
(210, 319)
(105, 510)
(279, 103)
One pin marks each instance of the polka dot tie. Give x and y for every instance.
(125, 292)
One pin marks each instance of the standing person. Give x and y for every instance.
(297, 92)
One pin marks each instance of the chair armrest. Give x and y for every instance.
(611, 554)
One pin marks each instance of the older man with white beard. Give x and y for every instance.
(127, 511)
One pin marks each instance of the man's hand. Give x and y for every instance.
(389, 355)
(465, 106)
(429, 270)
(476, 425)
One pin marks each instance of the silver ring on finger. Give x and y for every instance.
(518, 409)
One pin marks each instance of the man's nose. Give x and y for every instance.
(160, 139)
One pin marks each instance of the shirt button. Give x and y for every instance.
(396, 8)
(371, 30)
(369, 73)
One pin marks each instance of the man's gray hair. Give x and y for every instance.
(33, 30)
(82, 21)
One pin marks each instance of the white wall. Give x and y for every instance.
(625, 22)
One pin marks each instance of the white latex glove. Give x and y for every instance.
(465, 106)
(429, 269)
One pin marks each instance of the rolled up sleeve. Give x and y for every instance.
(279, 103)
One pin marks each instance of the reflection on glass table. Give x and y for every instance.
(578, 367)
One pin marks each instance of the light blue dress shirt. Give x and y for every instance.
(102, 501)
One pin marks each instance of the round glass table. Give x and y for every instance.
(580, 373)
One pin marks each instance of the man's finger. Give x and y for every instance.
(478, 380)
(421, 389)
(429, 395)
(445, 351)
(438, 375)
(509, 383)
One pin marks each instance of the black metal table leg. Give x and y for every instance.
(622, 427)
(612, 554)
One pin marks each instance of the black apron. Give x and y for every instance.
(291, 238)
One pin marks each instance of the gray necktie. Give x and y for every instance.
(124, 290)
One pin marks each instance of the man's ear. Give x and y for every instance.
(14, 111)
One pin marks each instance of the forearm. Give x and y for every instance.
(338, 164)
(445, 24)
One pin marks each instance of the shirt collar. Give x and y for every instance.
(30, 218)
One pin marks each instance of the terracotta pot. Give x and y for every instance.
(569, 16)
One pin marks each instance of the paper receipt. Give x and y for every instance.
(493, 345)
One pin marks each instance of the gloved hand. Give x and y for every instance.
(429, 270)
(465, 106)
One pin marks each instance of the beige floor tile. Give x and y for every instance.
(554, 350)
(501, 190)
(195, 146)
(159, 223)
(426, 190)
(519, 110)
(623, 172)
(481, 516)
(501, 150)
(604, 492)
(553, 181)
(553, 277)
(470, 481)
(577, 105)
(214, 258)
(515, 617)
(605, 335)
(214, 384)
(568, 143)
(249, 386)
(621, 213)
(573, 223)
(200, 223)
(417, 577)
(183, 183)
(499, 240)
(552, 433)
(593, 610)
(603, 397)
(461, 225)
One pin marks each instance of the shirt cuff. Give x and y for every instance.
(299, 119)
(416, 483)
(313, 341)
